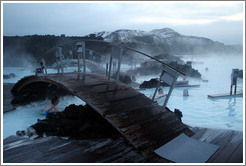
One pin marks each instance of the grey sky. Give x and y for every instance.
(219, 21)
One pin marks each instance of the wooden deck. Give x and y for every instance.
(18, 149)
(58, 150)
(230, 142)
(143, 123)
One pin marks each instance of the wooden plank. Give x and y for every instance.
(188, 85)
(238, 94)
(57, 150)
(222, 140)
(228, 150)
(237, 155)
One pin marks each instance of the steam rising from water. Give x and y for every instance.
(11, 59)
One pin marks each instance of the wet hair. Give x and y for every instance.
(53, 100)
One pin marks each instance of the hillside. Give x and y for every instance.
(168, 41)
(156, 42)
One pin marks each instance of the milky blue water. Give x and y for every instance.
(197, 108)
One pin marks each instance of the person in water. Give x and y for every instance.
(160, 91)
(52, 107)
(159, 94)
(186, 92)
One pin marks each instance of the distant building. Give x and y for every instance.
(63, 35)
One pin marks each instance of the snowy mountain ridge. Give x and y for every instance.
(127, 35)
(165, 40)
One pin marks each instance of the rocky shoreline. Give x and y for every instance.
(75, 122)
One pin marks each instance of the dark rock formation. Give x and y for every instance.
(37, 92)
(187, 69)
(152, 68)
(152, 83)
(8, 76)
(149, 84)
(75, 122)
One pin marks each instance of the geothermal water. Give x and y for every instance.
(197, 108)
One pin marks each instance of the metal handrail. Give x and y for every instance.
(119, 45)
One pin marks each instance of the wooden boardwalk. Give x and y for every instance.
(58, 150)
(143, 123)
(226, 95)
(18, 149)
(230, 142)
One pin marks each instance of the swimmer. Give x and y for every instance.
(51, 107)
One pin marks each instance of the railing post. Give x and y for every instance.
(157, 87)
(116, 53)
(81, 52)
(106, 69)
(169, 93)
(119, 63)
(70, 54)
(110, 65)
(84, 55)
(57, 58)
(234, 76)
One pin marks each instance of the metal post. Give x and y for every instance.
(106, 69)
(234, 76)
(78, 62)
(61, 62)
(157, 87)
(169, 93)
(57, 57)
(114, 67)
(231, 89)
(70, 54)
(119, 63)
(84, 63)
(235, 89)
(44, 66)
(110, 65)
(80, 49)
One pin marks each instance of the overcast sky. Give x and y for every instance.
(219, 21)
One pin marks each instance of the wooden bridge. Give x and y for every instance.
(142, 122)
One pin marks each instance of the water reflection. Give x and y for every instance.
(231, 107)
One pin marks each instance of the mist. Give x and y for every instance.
(13, 59)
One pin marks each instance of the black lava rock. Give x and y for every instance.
(76, 122)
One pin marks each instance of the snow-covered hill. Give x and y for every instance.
(164, 40)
